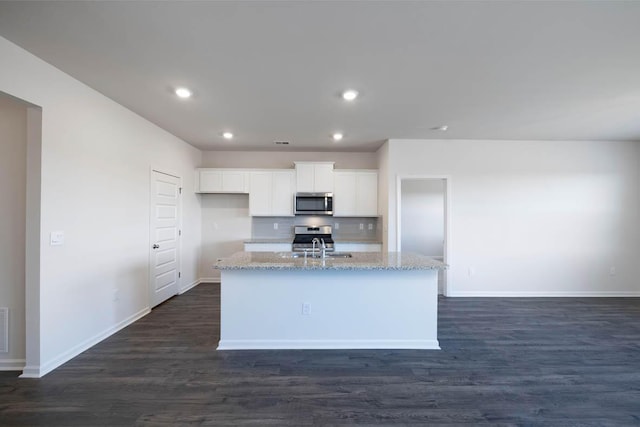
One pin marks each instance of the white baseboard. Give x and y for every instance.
(45, 368)
(210, 280)
(190, 286)
(545, 294)
(327, 344)
(12, 364)
(31, 372)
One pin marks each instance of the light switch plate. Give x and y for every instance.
(56, 238)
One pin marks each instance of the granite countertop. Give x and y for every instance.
(359, 261)
(290, 240)
(280, 240)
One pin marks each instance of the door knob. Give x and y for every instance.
(156, 246)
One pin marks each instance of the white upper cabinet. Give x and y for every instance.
(344, 196)
(271, 193)
(367, 193)
(314, 177)
(284, 187)
(221, 181)
(355, 193)
(260, 185)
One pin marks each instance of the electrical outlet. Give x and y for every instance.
(306, 309)
(56, 238)
(116, 297)
(361, 226)
(336, 226)
(472, 271)
(370, 227)
(612, 271)
(275, 225)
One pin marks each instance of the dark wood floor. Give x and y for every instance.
(558, 362)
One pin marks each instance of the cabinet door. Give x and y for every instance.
(323, 178)
(282, 193)
(210, 181)
(233, 181)
(260, 194)
(358, 247)
(367, 193)
(344, 194)
(305, 178)
(267, 247)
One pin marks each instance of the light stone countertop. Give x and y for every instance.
(290, 240)
(354, 241)
(267, 241)
(359, 261)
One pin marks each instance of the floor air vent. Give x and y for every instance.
(4, 330)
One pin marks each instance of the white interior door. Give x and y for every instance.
(164, 265)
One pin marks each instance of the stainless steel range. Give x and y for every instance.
(304, 237)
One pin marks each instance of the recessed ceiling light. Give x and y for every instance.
(337, 136)
(183, 92)
(227, 135)
(442, 128)
(349, 95)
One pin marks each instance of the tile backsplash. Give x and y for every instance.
(343, 228)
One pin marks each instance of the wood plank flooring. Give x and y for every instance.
(504, 361)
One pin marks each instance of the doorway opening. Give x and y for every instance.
(20, 190)
(422, 219)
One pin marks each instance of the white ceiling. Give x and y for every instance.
(274, 70)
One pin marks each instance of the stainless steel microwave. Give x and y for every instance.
(313, 204)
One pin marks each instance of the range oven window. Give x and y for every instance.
(314, 203)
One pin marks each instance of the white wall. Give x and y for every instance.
(533, 217)
(13, 182)
(96, 157)
(422, 216)
(383, 192)
(285, 159)
(226, 224)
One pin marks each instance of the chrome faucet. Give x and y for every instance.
(324, 248)
(313, 245)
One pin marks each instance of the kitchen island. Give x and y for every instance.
(273, 300)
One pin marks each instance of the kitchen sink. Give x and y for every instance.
(339, 255)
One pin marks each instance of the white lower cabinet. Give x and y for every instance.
(267, 247)
(271, 193)
(357, 247)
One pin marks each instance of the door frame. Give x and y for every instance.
(150, 286)
(446, 285)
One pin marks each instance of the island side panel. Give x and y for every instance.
(384, 309)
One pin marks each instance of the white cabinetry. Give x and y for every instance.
(314, 177)
(271, 192)
(355, 193)
(267, 247)
(221, 181)
(357, 247)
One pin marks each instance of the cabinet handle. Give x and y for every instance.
(156, 246)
